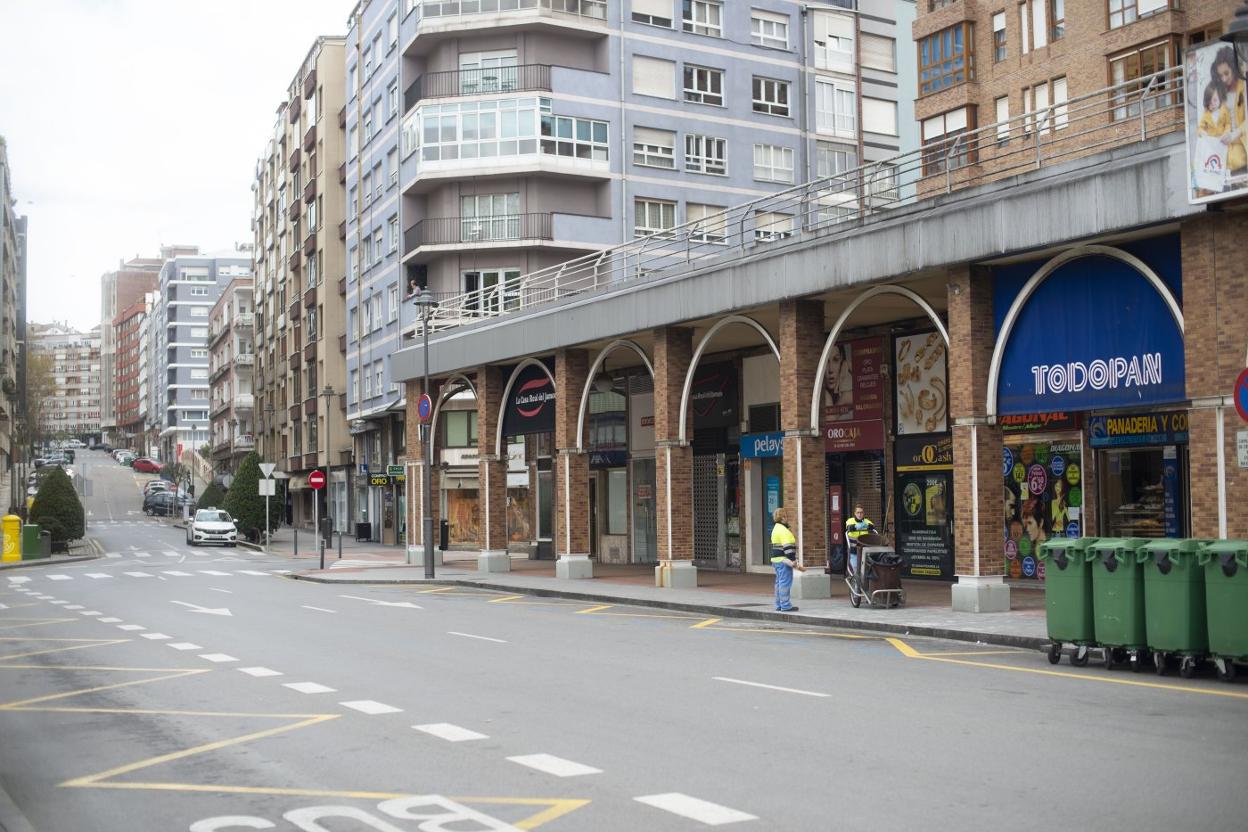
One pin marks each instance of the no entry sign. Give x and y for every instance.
(316, 480)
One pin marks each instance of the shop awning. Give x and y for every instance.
(298, 482)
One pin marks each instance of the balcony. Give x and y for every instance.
(309, 190)
(309, 406)
(310, 461)
(342, 180)
(218, 371)
(309, 243)
(295, 310)
(245, 359)
(475, 231)
(309, 352)
(309, 83)
(244, 321)
(834, 60)
(309, 139)
(525, 78)
(342, 116)
(293, 111)
(342, 343)
(342, 286)
(296, 412)
(309, 297)
(451, 18)
(296, 208)
(342, 230)
(295, 158)
(244, 401)
(295, 261)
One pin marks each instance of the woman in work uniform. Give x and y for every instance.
(784, 559)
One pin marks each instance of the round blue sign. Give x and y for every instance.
(1072, 530)
(1057, 465)
(1029, 566)
(1241, 395)
(1009, 463)
(424, 407)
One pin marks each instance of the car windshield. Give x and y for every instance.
(212, 516)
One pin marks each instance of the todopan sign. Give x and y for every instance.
(531, 404)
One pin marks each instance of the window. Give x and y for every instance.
(1138, 64)
(366, 190)
(617, 498)
(368, 385)
(879, 116)
(1060, 117)
(769, 227)
(769, 29)
(879, 52)
(355, 386)
(353, 200)
(199, 372)
(835, 108)
(832, 160)
(366, 316)
(944, 143)
(351, 82)
(710, 222)
(393, 303)
(704, 17)
(460, 428)
(773, 163)
(653, 12)
(834, 41)
(379, 244)
(577, 137)
(1057, 22)
(368, 125)
(392, 165)
(375, 312)
(366, 255)
(706, 154)
(379, 181)
(312, 269)
(481, 72)
(1003, 119)
(392, 100)
(654, 77)
(368, 62)
(998, 37)
(311, 216)
(946, 58)
(199, 291)
(1039, 24)
(199, 332)
(704, 85)
(771, 96)
(1122, 12)
(353, 263)
(199, 353)
(379, 373)
(489, 217)
(393, 226)
(494, 290)
(652, 217)
(392, 31)
(199, 311)
(353, 142)
(654, 148)
(1024, 23)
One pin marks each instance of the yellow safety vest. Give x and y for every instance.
(855, 528)
(781, 536)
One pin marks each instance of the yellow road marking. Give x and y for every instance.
(905, 649)
(646, 615)
(558, 808)
(22, 704)
(708, 622)
(20, 606)
(36, 622)
(438, 589)
(504, 598)
(94, 643)
(975, 653)
(598, 608)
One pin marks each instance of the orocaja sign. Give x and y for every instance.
(864, 435)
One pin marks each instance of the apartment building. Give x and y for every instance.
(73, 411)
(493, 162)
(12, 317)
(120, 290)
(126, 380)
(178, 402)
(300, 286)
(231, 366)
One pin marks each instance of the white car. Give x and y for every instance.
(212, 525)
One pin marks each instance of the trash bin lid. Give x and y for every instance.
(1118, 544)
(1234, 547)
(1174, 545)
(1074, 544)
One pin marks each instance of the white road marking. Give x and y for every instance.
(60, 577)
(139, 574)
(198, 608)
(259, 671)
(184, 645)
(214, 572)
(91, 612)
(157, 636)
(130, 627)
(110, 620)
(98, 575)
(318, 609)
(112, 554)
(557, 766)
(75, 607)
(450, 733)
(368, 706)
(253, 572)
(177, 574)
(142, 554)
(219, 589)
(59, 601)
(280, 571)
(219, 658)
(308, 687)
(18, 580)
(703, 811)
(480, 638)
(380, 603)
(771, 687)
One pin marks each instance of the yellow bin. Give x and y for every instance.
(12, 525)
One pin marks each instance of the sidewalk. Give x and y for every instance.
(726, 595)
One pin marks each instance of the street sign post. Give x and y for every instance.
(424, 407)
(268, 489)
(316, 481)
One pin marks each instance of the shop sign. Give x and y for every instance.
(608, 458)
(713, 397)
(641, 423)
(460, 457)
(853, 388)
(394, 470)
(1095, 334)
(918, 453)
(844, 437)
(758, 445)
(531, 405)
(922, 385)
(1170, 492)
(1038, 422)
(379, 480)
(1137, 429)
(1216, 169)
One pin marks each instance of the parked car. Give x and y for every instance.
(108, 449)
(75, 443)
(165, 504)
(212, 525)
(152, 486)
(127, 459)
(146, 465)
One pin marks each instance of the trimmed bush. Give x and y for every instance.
(58, 510)
(244, 503)
(213, 497)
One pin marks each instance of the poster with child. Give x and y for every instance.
(1215, 115)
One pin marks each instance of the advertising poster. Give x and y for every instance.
(531, 407)
(1214, 116)
(922, 386)
(925, 505)
(1043, 500)
(713, 398)
(853, 389)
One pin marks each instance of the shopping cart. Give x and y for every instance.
(874, 575)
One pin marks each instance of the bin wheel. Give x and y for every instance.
(1159, 663)
(1226, 670)
(1055, 653)
(1187, 667)
(1135, 660)
(1080, 657)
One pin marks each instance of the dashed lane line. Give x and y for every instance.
(260, 672)
(184, 645)
(450, 733)
(156, 636)
(478, 638)
(703, 811)
(557, 766)
(218, 658)
(308, 687)
(771, 687)
(317, 609)
(368, 706)
(130, 627)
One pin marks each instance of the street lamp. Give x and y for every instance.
(327, 393)
(425, 302)
(1237, 33)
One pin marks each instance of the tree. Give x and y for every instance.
(244, 503)
(58, 510)
(213, 497)
(39, 398)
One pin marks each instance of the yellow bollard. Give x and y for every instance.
(12, 525)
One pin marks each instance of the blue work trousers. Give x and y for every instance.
(784, 584)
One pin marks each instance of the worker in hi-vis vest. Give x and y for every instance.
(856, 527)
(784, 559)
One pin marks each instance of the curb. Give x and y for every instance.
(11, 817)
(21, 564)
(1000, 639)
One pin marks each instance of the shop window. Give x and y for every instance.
(617, 501)
(460, 429)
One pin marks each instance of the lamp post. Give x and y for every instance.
(269, 410)
(327, 393)
(1237, 33)
(425, 302)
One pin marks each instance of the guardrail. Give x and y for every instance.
(1113, 116)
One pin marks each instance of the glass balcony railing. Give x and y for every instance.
(593, 9)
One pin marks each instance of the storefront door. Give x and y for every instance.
(545, 510)
(645, 532)
(709, 539)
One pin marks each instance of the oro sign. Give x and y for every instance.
(316, 480)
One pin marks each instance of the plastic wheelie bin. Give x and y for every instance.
(1068, 597)
(31, 549)
(1226, 603)
(1174, 603)
(1118, 599)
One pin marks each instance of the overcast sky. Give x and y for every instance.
(132, 123)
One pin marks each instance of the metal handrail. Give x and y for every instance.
(850, 199)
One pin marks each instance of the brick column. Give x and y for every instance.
(801, 341)
(1215, 307)
(571, 469)
(979, 513)
(492, 491)
(415, 482)
(673, 350)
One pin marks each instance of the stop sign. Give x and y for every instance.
(316, 480)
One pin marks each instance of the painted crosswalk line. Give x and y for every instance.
(703, 811)
(368, 706)
(550, 764)
(450, 733)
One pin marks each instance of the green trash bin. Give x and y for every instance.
(1226, 603)
(1068, 596)
(1174, 602)
(31, 550)
(1118, 599)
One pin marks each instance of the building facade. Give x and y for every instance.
(300, 286)
(1000, 358)
(73, 411)
(12, 320)
(120, 290)
(231, 368)
(127, 380)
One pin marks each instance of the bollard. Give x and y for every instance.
(339, 545)
(295, 552)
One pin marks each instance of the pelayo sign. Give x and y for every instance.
(1096, 333)
(531, 405)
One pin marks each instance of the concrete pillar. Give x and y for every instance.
(493, 472)
(415, 483)
(801, 341)
(673, 351)
(572, 507)
(1215, 345)
(979, 509)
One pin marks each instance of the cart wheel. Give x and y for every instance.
(1159, 663)
(1135, 660)
(855, 599)
(1080, 657)
(1187, 667)
(1226, 670)
(1055, 652)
